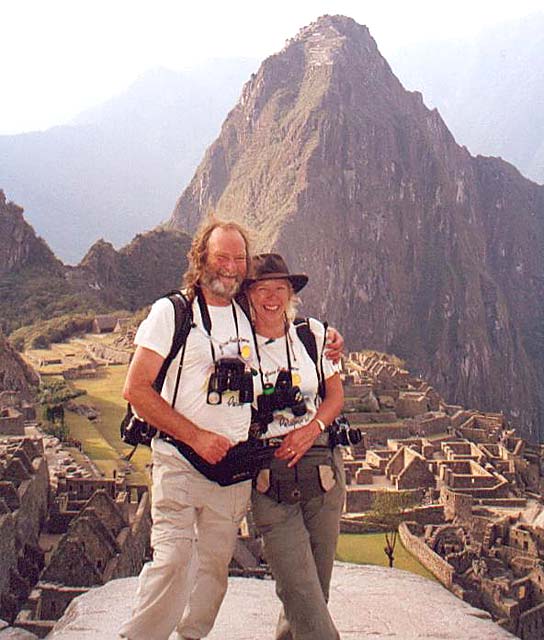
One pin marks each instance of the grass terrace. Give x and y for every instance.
(368, 549)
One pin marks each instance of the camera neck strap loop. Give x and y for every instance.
(207, 321)
(258, 353)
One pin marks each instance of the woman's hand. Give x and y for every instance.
(297, 442)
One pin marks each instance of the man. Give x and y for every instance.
(195, 521)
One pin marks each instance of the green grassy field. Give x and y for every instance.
(100, 439)
(368, 549)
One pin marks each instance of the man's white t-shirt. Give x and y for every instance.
(229, 418)
(304, 374)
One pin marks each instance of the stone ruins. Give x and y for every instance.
(478, 518)
(63, 528)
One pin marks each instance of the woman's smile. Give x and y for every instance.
(269, 299)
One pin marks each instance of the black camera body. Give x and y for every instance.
(135, 431)
(342, 433)
(282, 395)
(230, 375)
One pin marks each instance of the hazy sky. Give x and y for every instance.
(59, 57)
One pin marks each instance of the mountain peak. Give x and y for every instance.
(335, 165)
(331, 38)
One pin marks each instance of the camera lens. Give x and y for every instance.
(214, 397)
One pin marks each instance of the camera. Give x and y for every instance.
(341, 432)
(230, 375)
(282, 395)
(135, 431)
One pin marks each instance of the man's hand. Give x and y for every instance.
(334, 346)
(297, 442)
(210, 446)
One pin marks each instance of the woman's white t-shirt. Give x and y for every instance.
(304, 374)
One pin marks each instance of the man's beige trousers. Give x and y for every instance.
(195, 523)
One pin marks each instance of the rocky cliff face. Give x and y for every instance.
(19, 244)
(414, 246)
(15, 374)
(151, 265)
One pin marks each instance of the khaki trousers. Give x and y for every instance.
(300, 544)
(195, 524)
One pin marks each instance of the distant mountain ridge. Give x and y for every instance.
(414, 246)
(119, 168)
(35, 285)
(489, 89)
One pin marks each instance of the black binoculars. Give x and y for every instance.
(282, 395)
(230, 375)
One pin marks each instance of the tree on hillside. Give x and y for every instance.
(389, 509)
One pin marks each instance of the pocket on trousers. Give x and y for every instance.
(240, 493)
(326, 476)
(262, 482)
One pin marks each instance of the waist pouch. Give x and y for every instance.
(241, 462)
(312, 476)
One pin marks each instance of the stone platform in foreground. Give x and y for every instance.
(367, 603)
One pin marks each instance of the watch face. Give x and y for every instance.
(214, 397)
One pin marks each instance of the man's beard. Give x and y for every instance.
(211, 279)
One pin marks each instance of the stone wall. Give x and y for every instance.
(456, 505)
(12, 423)
(428, 558)
(25, 491)
(111, 354)
(8, 551)
(383, 432)
(531, 623)
(136, 548)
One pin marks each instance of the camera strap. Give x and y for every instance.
(207, 321)
(258, 353)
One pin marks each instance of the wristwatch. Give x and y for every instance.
(322, 425)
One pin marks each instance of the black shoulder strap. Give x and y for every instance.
(183, 320)
(307, 337)
(243, 303)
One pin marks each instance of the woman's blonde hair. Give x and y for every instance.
(198, 253)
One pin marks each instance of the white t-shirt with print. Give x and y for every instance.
(274, 358)
(229, 418)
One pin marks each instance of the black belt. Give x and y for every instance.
(322, 441)
(241, 462)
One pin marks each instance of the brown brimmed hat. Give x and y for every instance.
(271, 266)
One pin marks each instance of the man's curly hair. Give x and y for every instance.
(198, 253)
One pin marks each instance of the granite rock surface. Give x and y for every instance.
(367, 603)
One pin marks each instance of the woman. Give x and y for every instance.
(298, 498)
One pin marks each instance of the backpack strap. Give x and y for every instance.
(183, 321)
(308, 339)
(242, 300)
